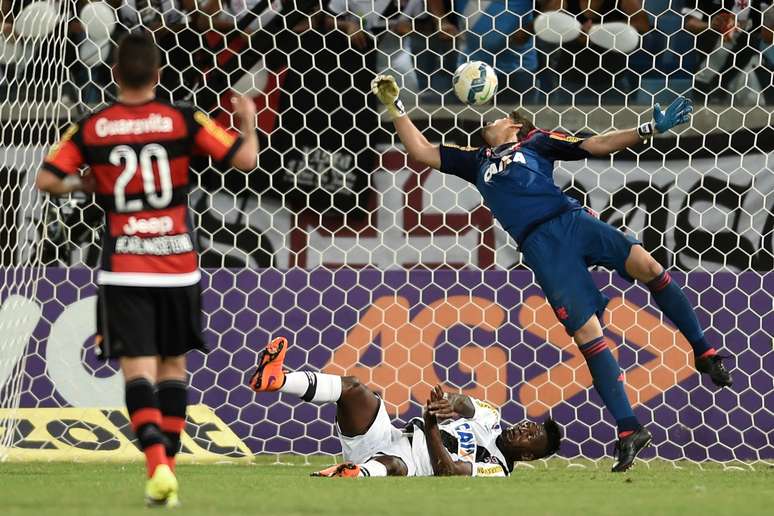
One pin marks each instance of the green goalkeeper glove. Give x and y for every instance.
(386, 90)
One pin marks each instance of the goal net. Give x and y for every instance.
(374, 266)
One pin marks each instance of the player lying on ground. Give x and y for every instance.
(559, 240)
(149, 311)
(469, 441)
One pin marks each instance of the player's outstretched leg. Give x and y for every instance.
(672, 301)
(270, 376)
(608, 382)
(356, 406)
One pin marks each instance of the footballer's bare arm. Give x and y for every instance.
(47, 181)
(417, 146)
(613, 141)
(246, 157)
(442, 463)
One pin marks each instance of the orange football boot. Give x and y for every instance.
(269, 375)
(345, 470)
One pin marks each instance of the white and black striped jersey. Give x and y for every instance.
(466, 439)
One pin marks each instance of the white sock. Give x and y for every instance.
(314, 387)
(373, 468)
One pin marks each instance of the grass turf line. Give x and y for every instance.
(267, 489)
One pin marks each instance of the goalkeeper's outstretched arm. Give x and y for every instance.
(417, 146)
(679, 112)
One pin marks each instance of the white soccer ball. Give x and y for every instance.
(475, 83)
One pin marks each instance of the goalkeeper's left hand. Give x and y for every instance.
(678, 112)
(387, 91)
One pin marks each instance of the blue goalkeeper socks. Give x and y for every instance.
(608, 381)
(672, 301)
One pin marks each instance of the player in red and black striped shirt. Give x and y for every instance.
(138, 152)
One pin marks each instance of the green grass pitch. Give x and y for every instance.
(268, 489)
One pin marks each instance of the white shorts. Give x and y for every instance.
(381, 439)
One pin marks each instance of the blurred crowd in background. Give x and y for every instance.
(309, 64)
(717, 51)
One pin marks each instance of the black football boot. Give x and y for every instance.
(627, 448)
(713, 366)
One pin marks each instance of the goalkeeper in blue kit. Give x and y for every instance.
(559, 239)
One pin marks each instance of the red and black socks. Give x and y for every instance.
(173, 400)
(145, 418)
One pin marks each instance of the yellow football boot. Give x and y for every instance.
(161, 488)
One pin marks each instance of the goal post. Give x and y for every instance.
(370, 264)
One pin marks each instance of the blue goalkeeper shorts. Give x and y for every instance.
(560, 252)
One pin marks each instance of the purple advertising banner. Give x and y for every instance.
(488, 334)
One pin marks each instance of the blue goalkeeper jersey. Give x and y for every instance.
(516, 180)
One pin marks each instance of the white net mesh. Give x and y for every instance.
(31, 79)
(376, 267)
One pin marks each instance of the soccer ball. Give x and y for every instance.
(475, 83)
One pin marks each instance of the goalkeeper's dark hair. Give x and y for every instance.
(554, 435)
(526, 123)
(137, 60)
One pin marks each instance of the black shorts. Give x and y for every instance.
(149, 321)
